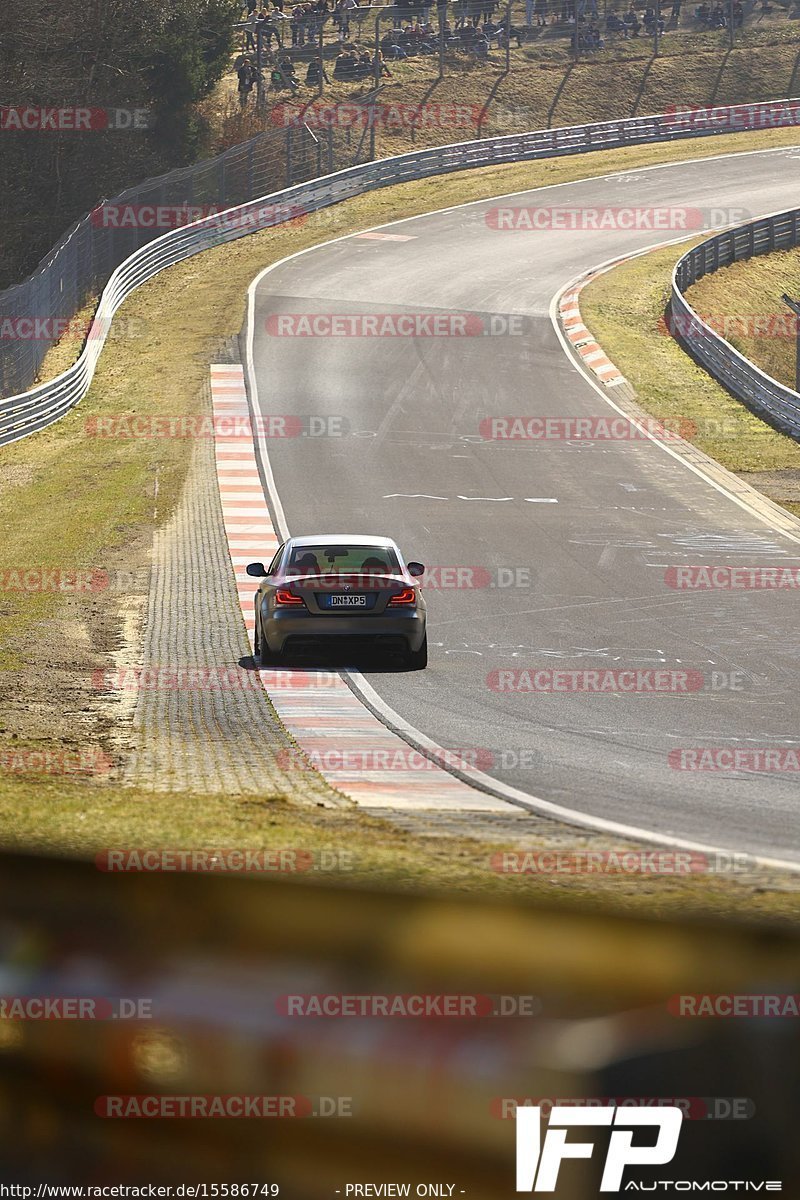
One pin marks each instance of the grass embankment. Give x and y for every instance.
(624, 308)
(69, 501)
(545, 88)
(744, 302)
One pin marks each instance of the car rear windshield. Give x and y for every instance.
(339, 559)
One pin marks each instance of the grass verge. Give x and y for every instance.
(624, 308)
(744, 302)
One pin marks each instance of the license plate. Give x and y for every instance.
(347, 602)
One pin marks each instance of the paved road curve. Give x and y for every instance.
(624, 511)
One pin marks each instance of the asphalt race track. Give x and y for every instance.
(412, 464)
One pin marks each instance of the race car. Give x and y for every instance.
(339, 590)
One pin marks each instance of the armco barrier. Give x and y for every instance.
(30, 411)
(759, 391)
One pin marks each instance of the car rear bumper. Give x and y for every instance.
(282, 629)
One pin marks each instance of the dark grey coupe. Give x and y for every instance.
(339, 589)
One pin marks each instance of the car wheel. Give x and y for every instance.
(262, 655)
(417, 660)
(267, 658)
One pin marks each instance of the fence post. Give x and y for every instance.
(657, 30)
(508, 37)
(442, 11)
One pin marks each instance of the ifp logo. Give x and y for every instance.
(538, 1164)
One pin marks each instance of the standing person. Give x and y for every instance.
(349, 6)
(246, 76)
(676, 11)
(249, 31)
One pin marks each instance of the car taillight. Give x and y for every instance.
(407, 596)
(285, 597)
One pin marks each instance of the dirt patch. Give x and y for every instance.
(781, 486)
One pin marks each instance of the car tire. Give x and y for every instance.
(417, 660)
(267, 658)
(262, 655)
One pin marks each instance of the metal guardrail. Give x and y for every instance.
(30, 411)
(759, 391)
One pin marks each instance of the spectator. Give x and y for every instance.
(650, 20)
(379, 66)
(345, 10)
(286, 70)
(249, 31)
(346, 66)
(315, 73)
(614, 24)
(391, 46)
(267, 29)
(632, 23)
(675, 15)
(246, 75)
(540, 11)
